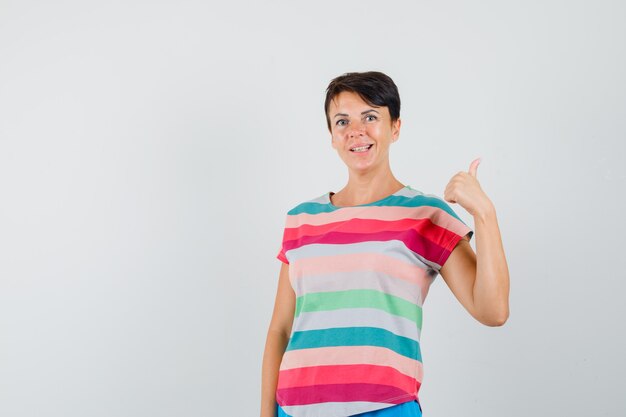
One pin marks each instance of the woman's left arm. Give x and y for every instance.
(479, 281)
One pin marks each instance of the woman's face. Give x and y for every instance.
(356, 124)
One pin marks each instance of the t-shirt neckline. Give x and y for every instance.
(329, 202)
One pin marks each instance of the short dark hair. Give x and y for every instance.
(375, 88)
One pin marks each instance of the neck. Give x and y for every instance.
(365, 188)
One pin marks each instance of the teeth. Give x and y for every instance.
(361, 149)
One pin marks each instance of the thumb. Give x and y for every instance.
(474, 167)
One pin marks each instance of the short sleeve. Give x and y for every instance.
(282, 256)
(451, 230)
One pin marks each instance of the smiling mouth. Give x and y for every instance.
(361, 148)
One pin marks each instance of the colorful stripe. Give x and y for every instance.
(346, 355)
(357, 317)
(332, 300)
(360, 276)
(355, 336)
(411, 288)
(345, 374)
(408, 408)
(342, 392)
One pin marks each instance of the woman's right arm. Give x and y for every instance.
(276, 342)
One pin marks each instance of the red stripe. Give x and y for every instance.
(345, 374)
(342, 393)
(354, 225)
(429, 241)
(445, 254)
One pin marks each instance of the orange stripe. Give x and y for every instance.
(348, 355)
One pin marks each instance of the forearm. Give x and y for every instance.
(491, 287)
(275, 345)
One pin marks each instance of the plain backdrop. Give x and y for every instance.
(149, 152)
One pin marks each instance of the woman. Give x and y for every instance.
(357, 265)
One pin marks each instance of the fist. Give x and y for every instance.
(465, 190)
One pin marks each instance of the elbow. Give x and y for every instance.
(496, 319)
(496, 322)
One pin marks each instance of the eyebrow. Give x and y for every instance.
(363, 112)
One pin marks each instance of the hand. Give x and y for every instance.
(465, 190)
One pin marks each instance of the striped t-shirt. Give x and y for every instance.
(360, 275)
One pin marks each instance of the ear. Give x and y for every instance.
(395, 130)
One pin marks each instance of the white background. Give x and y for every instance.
(149, 152)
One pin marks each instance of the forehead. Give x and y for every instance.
(348, 102)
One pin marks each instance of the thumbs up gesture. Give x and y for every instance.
(465, 190)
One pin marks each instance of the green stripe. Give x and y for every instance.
(355, 336)
(334, 300)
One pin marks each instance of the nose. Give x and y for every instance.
(356, 129)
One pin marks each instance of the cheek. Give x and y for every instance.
(383, 133)
(337, 138)
(374, 130)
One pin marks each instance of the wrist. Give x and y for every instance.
(486, 212)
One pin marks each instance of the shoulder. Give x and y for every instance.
(433, 207)
(416, 198)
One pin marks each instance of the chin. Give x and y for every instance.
(361, 167)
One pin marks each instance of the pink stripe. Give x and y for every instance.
(342, 393)
(374, 263)
(344, 374)
(390, 213)
(347, 355)
(352, 262)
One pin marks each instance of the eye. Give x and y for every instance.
(371, 118)
(341, 122)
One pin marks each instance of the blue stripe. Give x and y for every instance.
(355, 336)
(392, 200)
(310, 208)
(408, 409)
